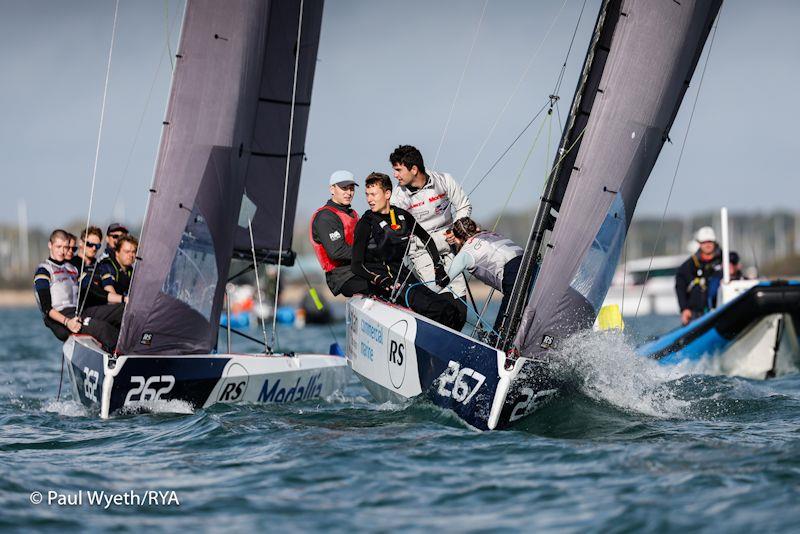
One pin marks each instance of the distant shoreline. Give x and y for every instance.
(17, 298)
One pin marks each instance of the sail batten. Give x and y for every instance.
(633, 82)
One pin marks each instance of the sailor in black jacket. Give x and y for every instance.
(694, 277)
(331, 235)
(380, 247)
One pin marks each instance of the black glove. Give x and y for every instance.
(383, 282)
(441, 276)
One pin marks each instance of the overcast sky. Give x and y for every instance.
(387, 74)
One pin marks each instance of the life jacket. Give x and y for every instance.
(491, 252)
(698, 288)
(388, 241)
(63, 284)
(349, 224)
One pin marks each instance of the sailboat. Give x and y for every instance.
(240, 95)
(640, 60)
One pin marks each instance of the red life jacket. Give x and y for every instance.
(349, 223)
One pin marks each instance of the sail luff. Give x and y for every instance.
(652, 53)
(557, 182)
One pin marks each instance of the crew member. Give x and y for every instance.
(435, 200)
(490, 257)
(115, 271)
(380, 246)
(693, 279)
(92, 291)
(735, 266)
(56, 288)
(331, 235)
(113, 233)
(71, 247)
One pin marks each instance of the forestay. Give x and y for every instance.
(635, 76)
(220, 131)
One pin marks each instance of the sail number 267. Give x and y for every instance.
(453, 382)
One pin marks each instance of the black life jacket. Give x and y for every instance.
(389, 237)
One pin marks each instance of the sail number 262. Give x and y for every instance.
(453, 382)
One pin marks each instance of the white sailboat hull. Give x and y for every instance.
(136, 382)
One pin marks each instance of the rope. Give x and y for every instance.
(677, 166)
(460, 82)
(97, 147)
(513, 94)
(286, 176)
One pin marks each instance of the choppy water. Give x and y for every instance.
(633, 447)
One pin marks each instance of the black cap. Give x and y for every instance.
(733, 257)
(116, 227)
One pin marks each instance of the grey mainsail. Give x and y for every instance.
(635, 76)
(213, 130)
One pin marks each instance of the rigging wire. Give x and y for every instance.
(166, 28)
(460, 82)
(560, 79)
(258, 287)
(677, 165)
(286, 176)
(513, 94)
(521, 171)
(508, 148)
(97, 148)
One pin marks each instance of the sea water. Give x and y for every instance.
(629, 446)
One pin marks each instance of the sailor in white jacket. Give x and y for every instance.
(435, 200)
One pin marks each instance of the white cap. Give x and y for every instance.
(706, 233)
(342, 178)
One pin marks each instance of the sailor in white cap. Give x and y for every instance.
(331, 235)
(696, 275)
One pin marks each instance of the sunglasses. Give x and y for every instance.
(73, 249)
(115, 236)
(95, 246)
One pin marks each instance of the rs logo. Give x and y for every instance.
(90, 380)
(461, 390)
(146, 390)
(396, 352)
(232, 391)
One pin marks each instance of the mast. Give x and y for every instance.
(550, 201)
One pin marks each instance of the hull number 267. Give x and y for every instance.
(453, 382)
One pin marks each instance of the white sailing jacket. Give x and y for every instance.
(435, 206)
(490, 252)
